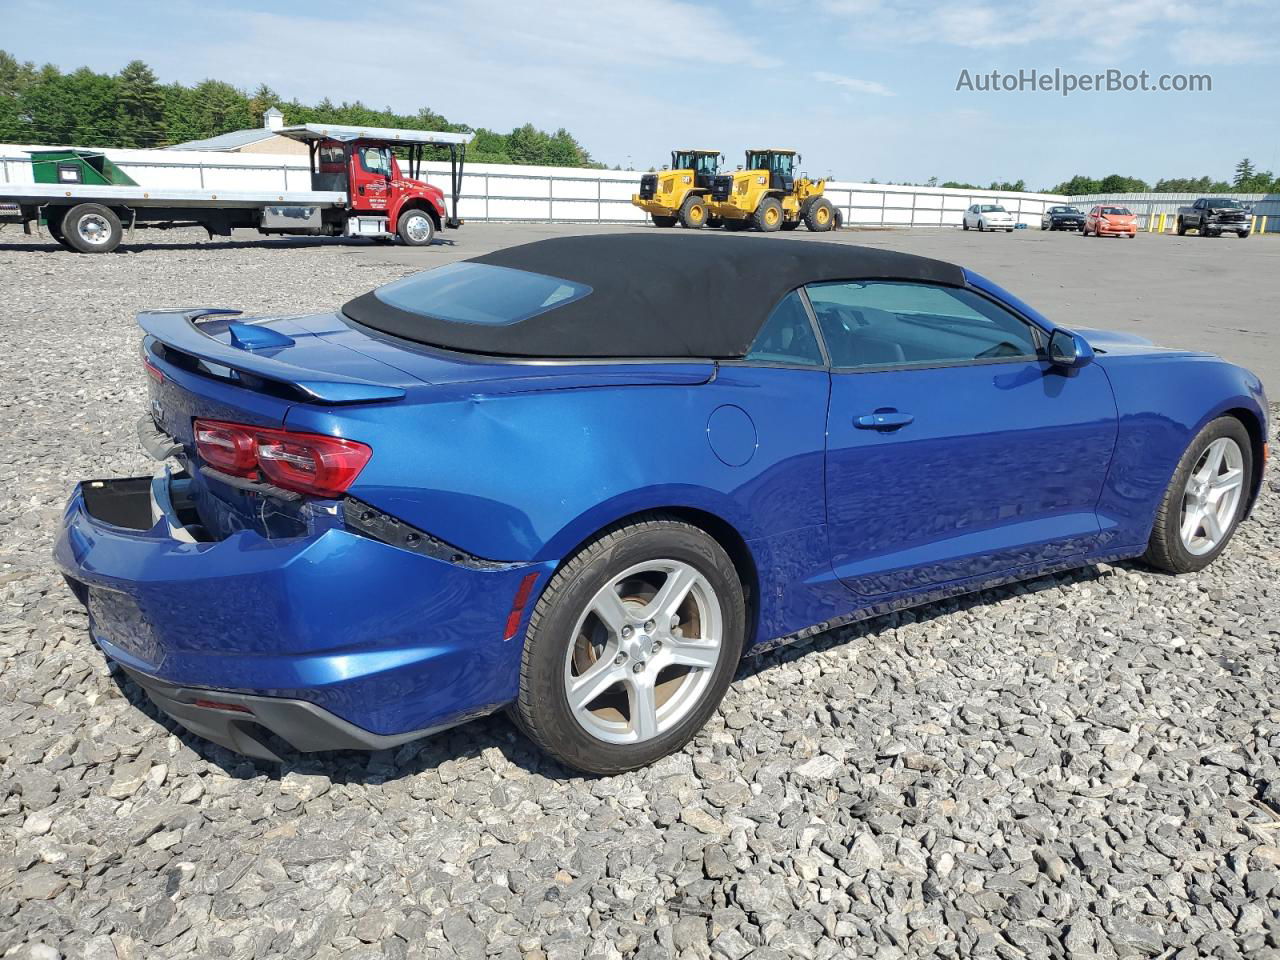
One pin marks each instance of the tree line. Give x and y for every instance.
(132, 108)
(1248, 179)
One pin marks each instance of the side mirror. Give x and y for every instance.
(1069, 350)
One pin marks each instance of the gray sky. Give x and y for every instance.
(863, 88)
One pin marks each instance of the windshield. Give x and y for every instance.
(1116, 212)
(702, 164)
(991, 208)
(1225, 203)
(479, 293)
(1063, 210)
(779, 163)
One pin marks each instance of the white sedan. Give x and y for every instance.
(989, 216)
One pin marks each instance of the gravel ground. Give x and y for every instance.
(1085, 765)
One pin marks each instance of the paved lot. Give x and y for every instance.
(1084, 766)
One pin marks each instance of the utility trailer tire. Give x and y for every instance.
(416, 228)
(91, 228)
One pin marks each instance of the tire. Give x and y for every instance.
(693, 212)
(837, 222)
(55, 230)
(416, 228)
(715, 223)
(733, 226)
(1242, 234)
(91, 228)
(982, 227)
(964, 223)
(1010, 230)
(1181, 229)
(660, 221)
(567, 638)
(768, 216)
(790, 225)
(1168, 549)
(820, 215)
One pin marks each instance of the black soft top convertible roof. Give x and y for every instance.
(653, 295)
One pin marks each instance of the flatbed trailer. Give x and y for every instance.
(358, 190)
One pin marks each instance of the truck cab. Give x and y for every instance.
(383, 202)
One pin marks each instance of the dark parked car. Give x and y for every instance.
(1062, 218)
(1214, 216)
(581, 478)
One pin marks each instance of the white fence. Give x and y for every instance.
(538, 194)
(1148, 206)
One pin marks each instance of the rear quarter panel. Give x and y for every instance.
(526, 477)
(1164, 398)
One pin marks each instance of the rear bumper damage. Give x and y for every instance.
(331, 640)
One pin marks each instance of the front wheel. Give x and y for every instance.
(693, 213)
(1205, 500)
(768, 216)
(416, 228)
(631, 647)
(820, 216)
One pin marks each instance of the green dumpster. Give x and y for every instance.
(77, 166)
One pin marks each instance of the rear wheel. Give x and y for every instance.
(820, 216)
(790, 224)
(1205, 500)
(416, 228)
(715, 223)
(965, 223)
(631, 647)
(661, 221)
(768, 216)
(1181, 228)
(55, 231)
(736, 225)
(91, 228)
(693, 213)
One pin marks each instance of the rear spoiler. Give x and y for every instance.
(178, 329)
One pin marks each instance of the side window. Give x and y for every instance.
(787, 336)
(374, 160)
(878, 323)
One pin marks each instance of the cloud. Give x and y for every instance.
(852, 83)
(1091, 29)
(1211, 47)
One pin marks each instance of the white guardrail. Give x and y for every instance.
(537, 194)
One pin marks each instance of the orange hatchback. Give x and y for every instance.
(1104, 221)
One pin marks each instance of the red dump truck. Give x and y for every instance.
(358, 189)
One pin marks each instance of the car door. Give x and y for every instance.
(954, 449)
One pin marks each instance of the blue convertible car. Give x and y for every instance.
(581, 478)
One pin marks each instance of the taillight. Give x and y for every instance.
(309, 463)
(154, 372)
(228, 447)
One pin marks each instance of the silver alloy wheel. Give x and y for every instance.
(94, 228)
(418, 227)
(643, 652)
(1211, 496)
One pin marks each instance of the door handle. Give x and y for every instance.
(885, 420)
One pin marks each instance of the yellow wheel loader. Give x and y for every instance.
(769, 196)
(680, 195)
